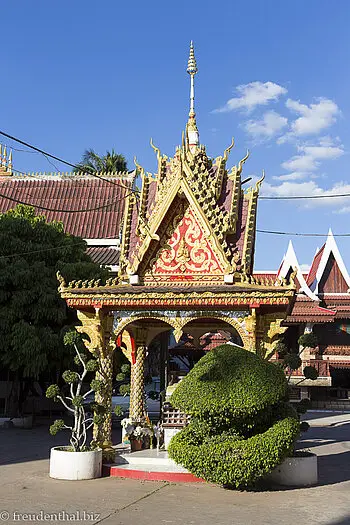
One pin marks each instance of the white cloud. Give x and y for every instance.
(253, 94)
(270, 124)
(289, 189)
(305, 267)
(295, 175)
(314, 118)
(323, 152)
(300, 163)
(310, 157)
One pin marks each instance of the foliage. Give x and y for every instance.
(112, 162)
(241, 426)
(123, 375)
(96, 385)
(310, 372)
(229, 382)
(32, 313)
(74, 403)
(308, 340)
(292, 361)
(53, 392)
(124, 390)
(58, 425)
(230, 460)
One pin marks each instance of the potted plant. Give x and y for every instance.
(139, 432)
(78, 460)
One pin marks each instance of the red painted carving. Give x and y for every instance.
(187, 252)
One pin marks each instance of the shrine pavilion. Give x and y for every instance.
(186, 266)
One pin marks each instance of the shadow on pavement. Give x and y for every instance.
(333, 468)
(20, 445)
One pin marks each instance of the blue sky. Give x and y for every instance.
(275, 75)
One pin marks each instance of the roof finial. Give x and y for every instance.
(192, 130)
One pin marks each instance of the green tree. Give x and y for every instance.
(33, 317)
(112, 162)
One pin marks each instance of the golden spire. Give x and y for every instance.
(192, 130)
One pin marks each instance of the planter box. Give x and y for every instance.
(17, 422)
(298, 471)
(75, 465)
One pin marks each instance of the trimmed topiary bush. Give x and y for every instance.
(241, 424)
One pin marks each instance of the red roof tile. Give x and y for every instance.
(71, 193)
(307, 310)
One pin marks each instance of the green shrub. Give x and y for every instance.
(241, 426)
(310, 372)
(292, 361)
(308, 340)
(230, 382)
(232, 461)
(70, 377)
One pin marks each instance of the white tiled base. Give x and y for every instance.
(148, 460)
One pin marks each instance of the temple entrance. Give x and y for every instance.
(168, 360)
(185, 281)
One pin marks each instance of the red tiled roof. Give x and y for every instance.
(103, 255)
(265, 275)
(336, 350)
(71, 193)
(306, 310)
(343, 312)
(314, 267)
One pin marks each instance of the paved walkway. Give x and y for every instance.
(26, 488)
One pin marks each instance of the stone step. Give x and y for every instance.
(150, 473)
(145, 457)
(149, 465)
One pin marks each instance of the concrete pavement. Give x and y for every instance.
(26, 488)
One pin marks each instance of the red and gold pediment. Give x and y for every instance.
(192, 221)
(184, 253)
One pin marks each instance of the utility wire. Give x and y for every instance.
(43, 250)
(293, 197)
(303, 234)
(103, 206)
(266, 197)
(45, 153)
(78, 243)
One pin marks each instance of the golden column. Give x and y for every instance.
(137, 386)
(98, 326)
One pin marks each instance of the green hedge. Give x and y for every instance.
(231, 461)
(242, 427)
(230, 382)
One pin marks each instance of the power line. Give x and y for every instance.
(303, 234)
(43, 250)
(294, 197)
(45, 153)
(81, 242)
(93, 174)
(103, 206)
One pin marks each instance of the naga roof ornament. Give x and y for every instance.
(193, 222)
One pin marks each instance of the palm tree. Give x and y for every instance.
(91, 162)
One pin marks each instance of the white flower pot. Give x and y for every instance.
(298, 471)
(75, 465)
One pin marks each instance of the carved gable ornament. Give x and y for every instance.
(193, 220)
(186, 252)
